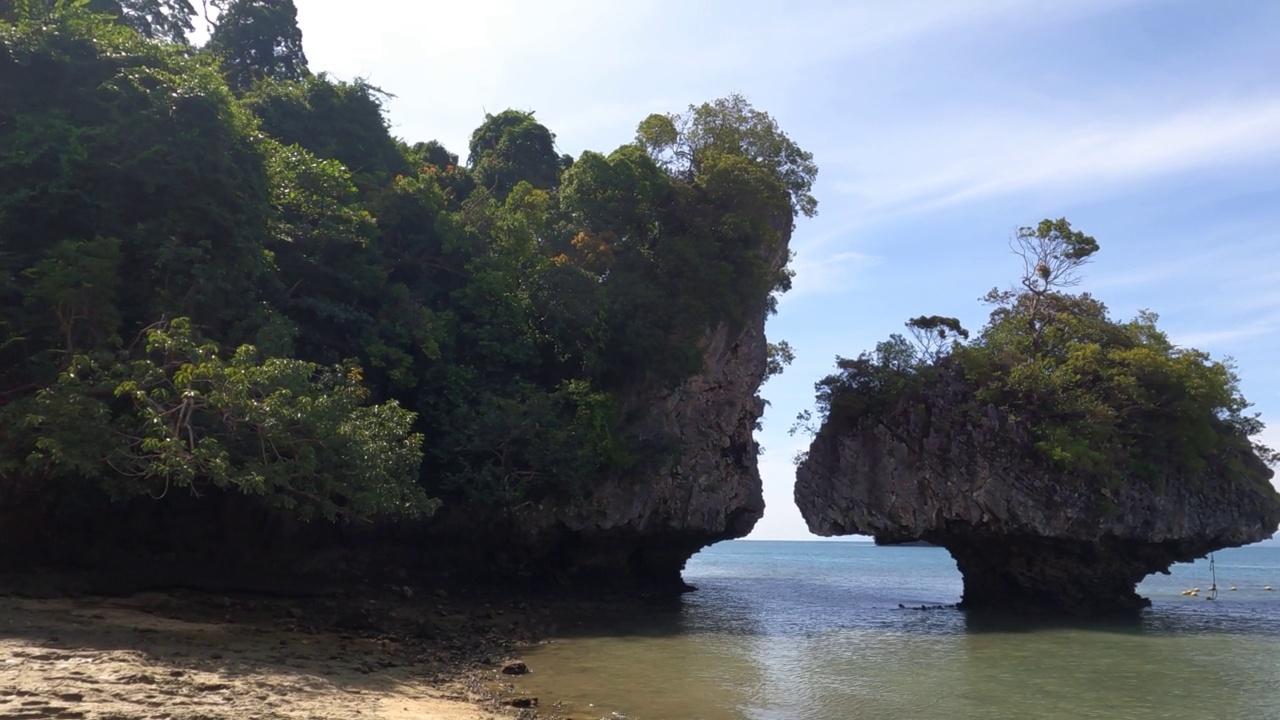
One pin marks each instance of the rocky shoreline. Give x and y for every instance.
(392, 653)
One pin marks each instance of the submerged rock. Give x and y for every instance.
(1024, 537)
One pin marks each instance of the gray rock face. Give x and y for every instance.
(639, 529)
(1023, 537)
(649, 524)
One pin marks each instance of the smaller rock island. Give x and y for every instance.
(1025, 538)
(1060, 457)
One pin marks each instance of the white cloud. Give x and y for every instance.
(958, 160)
(1217, 290)
(1226, 336)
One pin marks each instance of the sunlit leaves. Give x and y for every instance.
(314, 199)
(1101, 398)
(298, 435)
(687, 142)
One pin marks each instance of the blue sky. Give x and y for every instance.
(939, 127)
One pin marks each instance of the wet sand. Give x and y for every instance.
(197, 656)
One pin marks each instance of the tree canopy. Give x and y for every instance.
(1102, 398)
(511, 147)
(691, 143)
(220, 272)
(258, 39)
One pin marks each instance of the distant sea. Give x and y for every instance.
(812, 630)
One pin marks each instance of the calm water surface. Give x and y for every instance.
(783, 630)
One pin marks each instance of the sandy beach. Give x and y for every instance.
(195, 656)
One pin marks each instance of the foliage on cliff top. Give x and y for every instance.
(260, 221)
(1101, 398)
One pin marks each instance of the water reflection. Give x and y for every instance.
(794, 632)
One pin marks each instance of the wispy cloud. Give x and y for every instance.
(966, 159)
(1227, 336)
(1239, 256)
(1216, 289)
(593, 70)
(818, 274)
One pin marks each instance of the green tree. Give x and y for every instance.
(934, 334)
(1107, 397)
(433, 153)
(258, 39)
(1103, 399)
(511, 147)
(510, 313)
(622, 195)
(296, 435)
(1052, 254)
(94, 240)
(168, 20)
(779, 356)
(686, 143)
(686, 230)
(333, 120)
(325, 277)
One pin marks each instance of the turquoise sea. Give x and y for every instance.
(812, 630)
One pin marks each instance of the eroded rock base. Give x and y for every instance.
(1045, 575)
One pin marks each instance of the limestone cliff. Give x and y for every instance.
(643, 527)
(633, 531)
(639, 529)
(1024, 537)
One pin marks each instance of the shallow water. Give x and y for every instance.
(813, 630)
